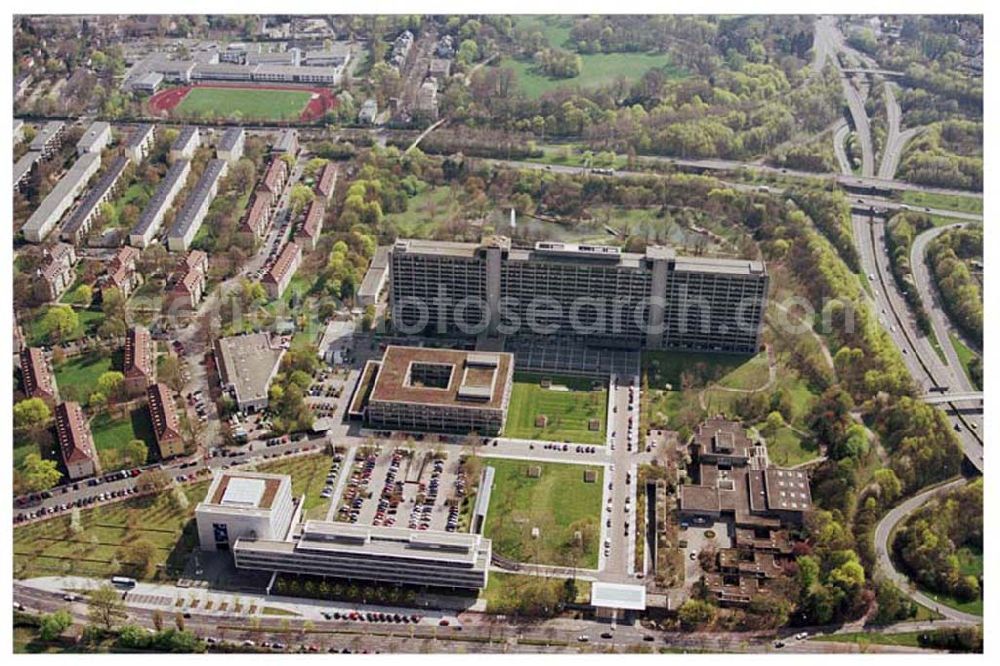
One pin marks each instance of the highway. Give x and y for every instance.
(826, 30)
(940, 322)
(894, 314)
(884, 530)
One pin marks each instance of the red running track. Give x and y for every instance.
(323, 99)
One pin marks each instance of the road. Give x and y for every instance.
(828, 34)
(884, 530)
(897, 138)
(925, 366)
(864, 201)
(840, 148)
(940, 322)
(468, 632)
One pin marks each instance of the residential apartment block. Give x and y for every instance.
(95, 139)
(156, 208)
(312, 225)
(189, 284)
(36, 375)
(283, 269)
(139, 365)
(186, 143)
(166, 423)
(140, 142)
(62, 196)
(76, 444)
(191, 216)
(57, 272)
(80, 222)
(230, 146)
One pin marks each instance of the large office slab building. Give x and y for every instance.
(655, 300)
(383, 554)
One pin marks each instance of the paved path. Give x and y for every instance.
(884, 530)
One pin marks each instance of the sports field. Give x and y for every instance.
(250, 103)
(568, 405)
(558, 501)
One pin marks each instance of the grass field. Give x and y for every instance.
(906, 638)
(943, 201)
(965, 355)
(787, 448)
(263, 104)
(503, 591)
(38, 334)
(112, 434)
(50, 548)
(559, 502)
(77, 377)
(971, 564)
(596, 69)
(426, 211)
(690, 370)
(308, 478)
(568, 411)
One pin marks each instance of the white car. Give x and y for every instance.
(802, 635)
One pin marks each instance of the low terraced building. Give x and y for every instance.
(441, 390)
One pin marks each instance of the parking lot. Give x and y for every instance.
(414, 488)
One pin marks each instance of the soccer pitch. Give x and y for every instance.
(568, 406)
(248, 103)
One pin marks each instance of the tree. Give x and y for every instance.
(300, 197)
(38, 473)
(31, 413)
(170, 372)
(136, 452)
(695, 613)
(59, 321)
(105, 607)
(54, 624)
(83, 295)
(111, 384)
(158, 620)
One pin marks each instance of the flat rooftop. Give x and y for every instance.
(442, 377)
(554, 251)
(245, 490)
(320, 536)
(247, 363)
(615, 595)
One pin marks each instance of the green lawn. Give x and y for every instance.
(37, 333)
(906, 638)
(244, 103)
(970, 561)
(504, 590)
(943, 201)
(112, 434)
(426, 211)
(689, 369)
(965, 355)
(569, 412)
(596, 69)
(308, 478)
(787, 448)
(559, 503)
(77, 376)
(50, 548)
(555, 28)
